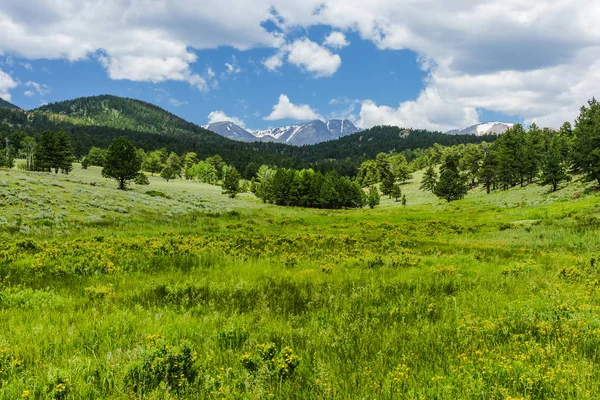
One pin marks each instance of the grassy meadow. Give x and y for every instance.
(175, 291)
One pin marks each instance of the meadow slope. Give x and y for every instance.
(185, 293)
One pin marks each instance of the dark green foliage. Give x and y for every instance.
(451, 185)
(586, 147)
(307, 188)
(430, 179)
(554, 167)
(122, 162)
(231, 183)
(54, 151)
(387, 184)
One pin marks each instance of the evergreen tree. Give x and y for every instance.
(231, 183)
(396, 192)
(430, 178)
(487, 170)
(387, 184)
(373, 197)
(554, 164)
(452, 185)
(54, 152)
(586, 146)
(404, 200)
(122, 162)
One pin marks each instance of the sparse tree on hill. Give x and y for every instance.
(122, 162)
(404, 200)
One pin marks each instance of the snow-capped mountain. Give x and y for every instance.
(231, 131)
(486, 128)
(300, 134)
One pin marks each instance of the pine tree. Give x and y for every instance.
(396, 192)
(387, 184)
(373, 197)
(122, 162)
(429, 179)
(452, 185)
(586, 146)
(554, 164)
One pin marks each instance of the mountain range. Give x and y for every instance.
(486, 128)
(312, 132)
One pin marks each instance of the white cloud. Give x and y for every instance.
(6, 85)
(39, 88)
(313, 58)
(286, 109)
(336, 40)
(274, 62)
(220, 116)
(306, 55)
(535, 59)
(29, 93)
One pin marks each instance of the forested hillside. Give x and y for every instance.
(96, 121)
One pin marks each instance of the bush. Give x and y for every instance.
(141, 179)
(162, 363)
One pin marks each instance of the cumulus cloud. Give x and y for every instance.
(336, 40)
(220, 116)
(285, 109)
(6, 85)
(306, 55)
(313, 58)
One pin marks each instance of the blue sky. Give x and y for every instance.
(261, 63)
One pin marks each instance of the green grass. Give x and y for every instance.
(121, 295)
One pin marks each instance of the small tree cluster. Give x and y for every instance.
(307, 188)
(54, 152)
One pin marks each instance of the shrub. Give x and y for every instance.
(162, 363)
(141, 179)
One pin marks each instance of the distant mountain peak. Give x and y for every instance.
(485, 128)
(310, 132)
